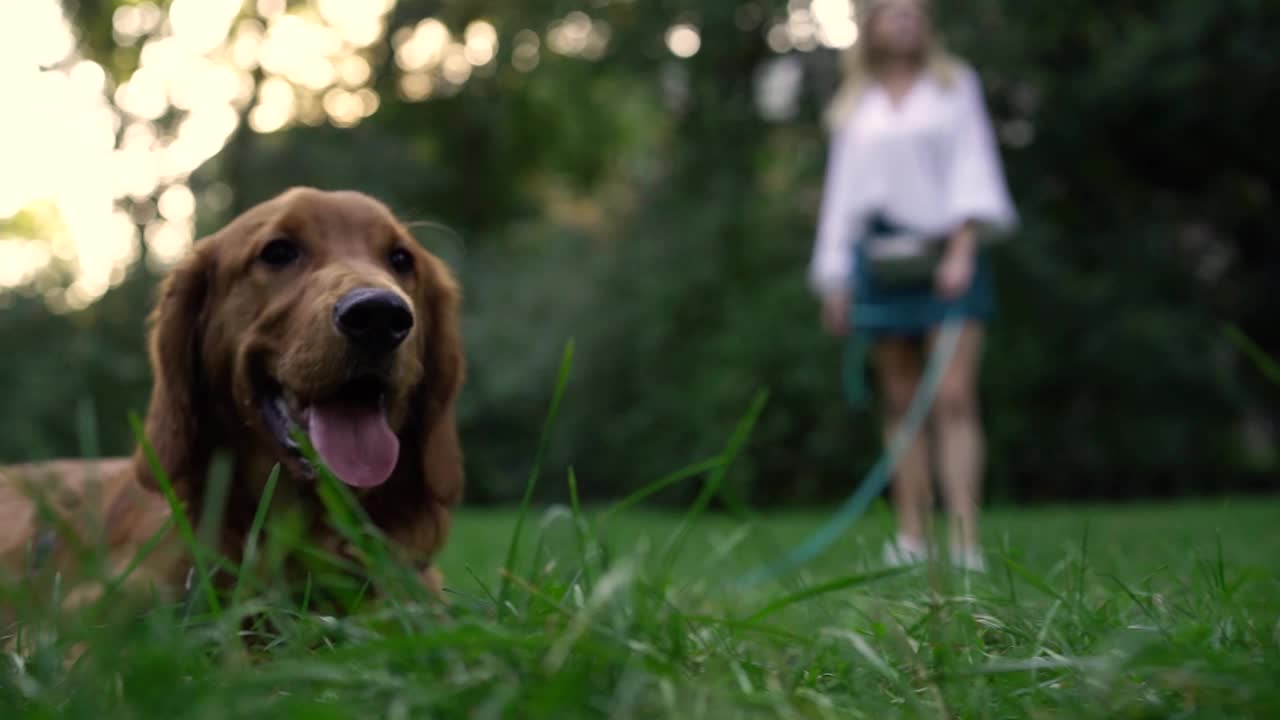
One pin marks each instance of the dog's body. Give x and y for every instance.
(313, 311)
(54, 514)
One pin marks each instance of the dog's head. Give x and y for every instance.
(314, 311)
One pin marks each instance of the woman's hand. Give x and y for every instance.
(955, 271)
(954, 274)
(835, 313)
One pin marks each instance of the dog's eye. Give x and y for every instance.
(279, 253)
(401, 261)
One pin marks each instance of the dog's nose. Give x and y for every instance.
(373, 319)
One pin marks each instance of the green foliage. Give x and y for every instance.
(670, 239)
(67, 374)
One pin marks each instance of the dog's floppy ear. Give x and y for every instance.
(445, 367)
(174, 417)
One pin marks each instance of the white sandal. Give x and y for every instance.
(903, 551)
(971, 560)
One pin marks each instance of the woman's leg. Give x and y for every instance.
(961, 444)
(898, 365)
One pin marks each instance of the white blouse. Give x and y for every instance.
(931, 164)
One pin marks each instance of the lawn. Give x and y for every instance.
(1148, 611)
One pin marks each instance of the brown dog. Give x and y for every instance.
(314, 311)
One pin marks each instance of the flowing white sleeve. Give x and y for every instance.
(832, 261)
(976, 188)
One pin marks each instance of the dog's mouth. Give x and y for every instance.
(348, 429)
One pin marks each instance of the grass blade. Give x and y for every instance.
(255, 529)
(87, 428)
(827, 588)
(1265, 363)
(544, 440)
(734, 447)
(179, 515)
(214, 505)
(149, 546)
(581, 528)
(1031, 579)
(694, 470)
(868, 653)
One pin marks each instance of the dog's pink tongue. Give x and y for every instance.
(355, 442)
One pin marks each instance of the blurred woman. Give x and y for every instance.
(913, 184)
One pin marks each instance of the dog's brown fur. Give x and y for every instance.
(223, 321)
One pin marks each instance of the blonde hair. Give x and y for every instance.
(862, 61)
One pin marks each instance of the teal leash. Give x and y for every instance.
(878, 477)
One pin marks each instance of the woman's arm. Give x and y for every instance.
(955, 272)
(977, 191)
(829, 269)
(964, 240)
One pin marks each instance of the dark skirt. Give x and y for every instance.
(881, 311)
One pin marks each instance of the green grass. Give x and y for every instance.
(1088, 612)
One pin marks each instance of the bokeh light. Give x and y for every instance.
(98, 168)
(527, 52)
(810, 24)
(481, 43)
(422, 47)
(100, 165)
(834, 20)
(58, 141)
(578, 35)
(683, 40)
